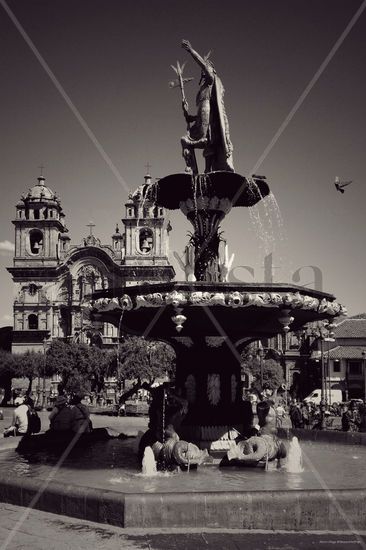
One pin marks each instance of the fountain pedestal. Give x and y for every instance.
(208, 375)
(205, 199)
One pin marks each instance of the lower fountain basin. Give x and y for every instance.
(113, 465)
(326, 496)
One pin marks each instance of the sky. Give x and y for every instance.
(92, 104)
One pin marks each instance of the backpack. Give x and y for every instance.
(34, 422)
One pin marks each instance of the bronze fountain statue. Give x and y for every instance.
(209, 128)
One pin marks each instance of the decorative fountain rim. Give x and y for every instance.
(235, 295)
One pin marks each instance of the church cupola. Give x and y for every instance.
(39, 224)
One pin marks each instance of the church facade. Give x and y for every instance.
(52, 276)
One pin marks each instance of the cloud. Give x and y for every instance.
(6, 248)
(6, 318)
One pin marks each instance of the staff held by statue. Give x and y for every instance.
(180, 82)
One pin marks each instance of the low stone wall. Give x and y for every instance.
(309, 510)
(329, 436)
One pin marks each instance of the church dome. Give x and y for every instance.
(41, 191)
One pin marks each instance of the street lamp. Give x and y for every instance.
(260, 354)
(44, 375)
(322, 395)
(325, 335)
(364, 375)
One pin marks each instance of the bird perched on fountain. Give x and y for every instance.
(340, 184)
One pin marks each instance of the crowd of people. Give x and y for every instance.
(307, 415)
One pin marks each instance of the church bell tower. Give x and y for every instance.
(41, 241)
(146, 234)
(40, 232)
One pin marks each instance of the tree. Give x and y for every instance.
(7, 372)
(80, 366)
(272, 375)
(271, 370)
(29, 365)
(144, 360)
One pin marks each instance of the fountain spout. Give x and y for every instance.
(148, 462)
(294, 459)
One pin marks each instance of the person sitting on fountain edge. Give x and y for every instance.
(20, 418)
(81, 422)
(61, 416)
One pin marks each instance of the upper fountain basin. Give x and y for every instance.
(175, 189)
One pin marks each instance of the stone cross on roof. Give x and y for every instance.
(148, 166)
(90, 225)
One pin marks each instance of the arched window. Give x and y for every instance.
(35, 241)
(33, 321)
(146, 240)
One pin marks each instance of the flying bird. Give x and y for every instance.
(340, 184)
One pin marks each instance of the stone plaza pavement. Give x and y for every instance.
(24, 529)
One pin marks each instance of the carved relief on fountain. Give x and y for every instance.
(231, 299)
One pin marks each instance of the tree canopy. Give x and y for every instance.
(272, 370)
(29, 365)
(80, 366)
(142, 359)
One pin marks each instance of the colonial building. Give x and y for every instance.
(52, 276)
(346, 358)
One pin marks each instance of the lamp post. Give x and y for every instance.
(364, 375)
(328, 337)
(322, 395)
(44, 376)
(260, 354)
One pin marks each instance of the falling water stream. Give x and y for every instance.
(148, 463)
(294, 458)
(268, 226)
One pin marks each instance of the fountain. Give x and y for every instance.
(208, 321)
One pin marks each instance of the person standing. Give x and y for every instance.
(351, 419)
(362, 411)
(295, 415)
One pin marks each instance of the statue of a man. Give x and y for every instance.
(209, 128)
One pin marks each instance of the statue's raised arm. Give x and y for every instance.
(209, 129)
(205, 65)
